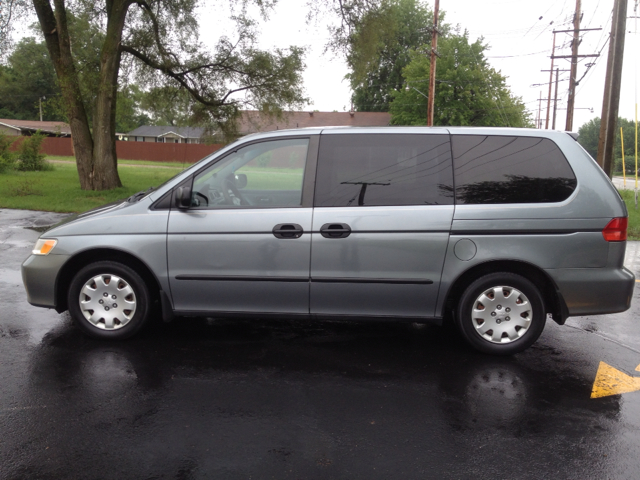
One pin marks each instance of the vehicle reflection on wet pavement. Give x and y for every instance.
(206, 398)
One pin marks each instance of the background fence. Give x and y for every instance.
(159, 152)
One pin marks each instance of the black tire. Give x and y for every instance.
(503, 331)
(112, 321)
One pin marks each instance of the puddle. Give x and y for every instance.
(39, 229)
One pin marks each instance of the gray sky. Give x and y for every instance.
(520, 45)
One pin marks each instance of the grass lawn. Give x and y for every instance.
(177, 165)
(59, 190)
(633, 232)
(264, 178)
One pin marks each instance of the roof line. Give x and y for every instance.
(170, 131)
(10, 126)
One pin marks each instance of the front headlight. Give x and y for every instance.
(44, 246)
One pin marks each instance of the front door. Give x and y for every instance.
(244, 244)
(383, 210)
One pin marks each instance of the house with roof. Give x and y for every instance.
(163, 134)
(253, 121)
(29, 127)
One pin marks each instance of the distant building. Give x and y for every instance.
(252, 121)
(29, 127)
(163, 134)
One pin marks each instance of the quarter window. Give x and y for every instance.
(386, 169)
(500, 169)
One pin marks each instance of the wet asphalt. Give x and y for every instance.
(204, 398)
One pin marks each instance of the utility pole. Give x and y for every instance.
(611, 100)
(432, 70)
(555, 101)
(539, 122)
(555, 98)
(553, 52)
(574, 67)
(40, 101)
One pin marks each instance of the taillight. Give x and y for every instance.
(616, 230)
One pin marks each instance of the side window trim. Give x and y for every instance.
(310, 170)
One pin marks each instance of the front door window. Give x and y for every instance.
(267, 174)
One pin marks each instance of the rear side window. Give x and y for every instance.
(385, 169)
(494, 169)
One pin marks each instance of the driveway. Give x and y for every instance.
(206, 398)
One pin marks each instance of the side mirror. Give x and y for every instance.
(241, 180)
(183, 197)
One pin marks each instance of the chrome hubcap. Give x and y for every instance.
(107, 302)
(502, 314)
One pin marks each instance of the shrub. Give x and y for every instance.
(29, 157)
(24, 187)
(629, 164)
(7, 158)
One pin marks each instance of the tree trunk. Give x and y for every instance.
(104, 124)
(95, 154)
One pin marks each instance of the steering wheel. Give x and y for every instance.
(199, 199)
(232, 195)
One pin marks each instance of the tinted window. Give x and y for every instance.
(267, 174)
(494, 169)
(369, 169)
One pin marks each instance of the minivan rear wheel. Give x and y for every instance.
(501, 313)
(108, 300)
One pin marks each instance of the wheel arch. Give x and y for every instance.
(84, 258)
(553, 300)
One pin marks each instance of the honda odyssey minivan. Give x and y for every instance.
(497, 229)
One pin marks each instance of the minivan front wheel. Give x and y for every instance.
(501, 313)
(108, 300)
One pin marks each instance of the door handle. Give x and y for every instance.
(335, 230)
(287, 230)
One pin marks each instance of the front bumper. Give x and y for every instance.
(39, 275)
(594, 291)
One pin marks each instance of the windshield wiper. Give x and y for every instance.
(136, 197)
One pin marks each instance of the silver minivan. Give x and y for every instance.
(494, 228)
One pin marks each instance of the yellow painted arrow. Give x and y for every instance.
(611, 381)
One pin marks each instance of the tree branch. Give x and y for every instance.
(170, 73)
(156, 29)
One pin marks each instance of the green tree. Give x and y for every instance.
(468, 90)
(588, 135)
(168, 105)
(378, 49)
(129, 111)
(27, 77)
(157, 42)
(31, 75)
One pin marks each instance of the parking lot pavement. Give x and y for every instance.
(620, 182)
(204, 398)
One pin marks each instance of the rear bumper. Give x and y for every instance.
(594, 291)
(39, 274)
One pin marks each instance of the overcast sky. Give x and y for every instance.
(520, 46)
